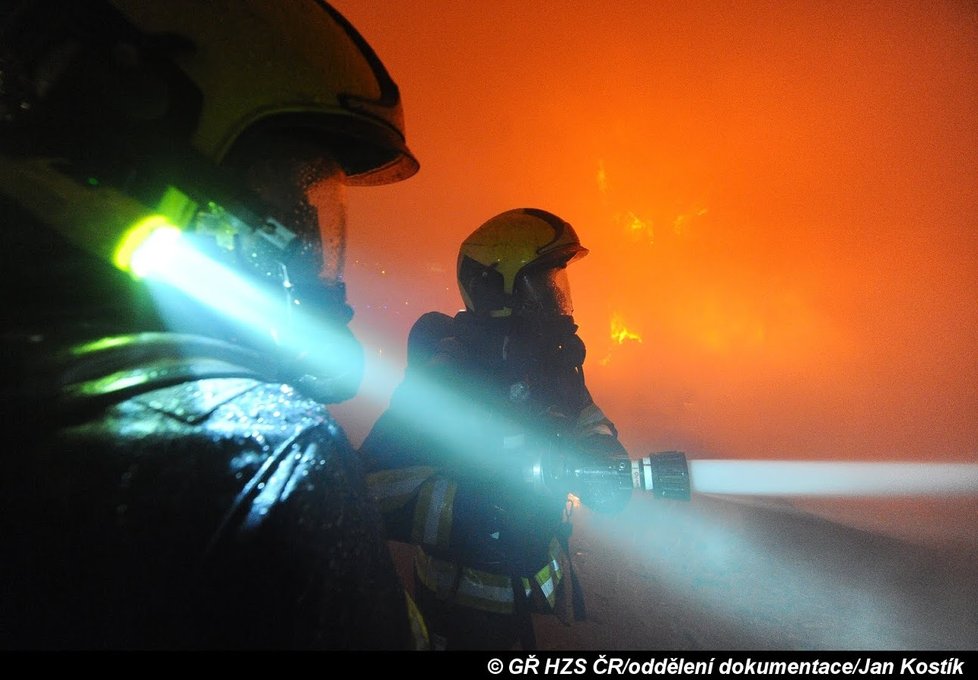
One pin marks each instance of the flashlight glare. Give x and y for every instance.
(158, 252)
(154, 249)
(797, 478)
(158, 248)
(141, 245)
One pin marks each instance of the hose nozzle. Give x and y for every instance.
(664, 474)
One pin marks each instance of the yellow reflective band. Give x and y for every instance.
(480, 589)
(392, 489)
(547, 587)
(419, 631)
(433, 513)
(546, 579)
(437, 575)
(469, 587)
(485, 590)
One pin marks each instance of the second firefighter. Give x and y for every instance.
(487, 395)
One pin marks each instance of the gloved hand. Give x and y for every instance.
(601, 473)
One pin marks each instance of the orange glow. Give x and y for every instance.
(638, 227)
(602, 178)
(779, 198)
(681, 222)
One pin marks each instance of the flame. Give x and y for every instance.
(636, 223)
(637, 226)
(681, 221)
(619, 333)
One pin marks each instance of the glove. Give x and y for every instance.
(601, 473)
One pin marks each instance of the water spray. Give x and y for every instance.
(832, 478)
(669, 475)
(157, 249)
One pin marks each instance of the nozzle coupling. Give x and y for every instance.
(666, 475)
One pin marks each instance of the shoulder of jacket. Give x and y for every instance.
(98, 374)
(426, 336)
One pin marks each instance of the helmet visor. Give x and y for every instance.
(543, 293)
(308, 196)
(305, 191)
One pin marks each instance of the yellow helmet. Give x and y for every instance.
(323, 78)
(498, 262)
(207, 73)
(237, 121)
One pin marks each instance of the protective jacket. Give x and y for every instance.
(164, 490)
(447, 463)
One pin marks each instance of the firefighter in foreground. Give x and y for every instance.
(186, 489)
(485, 394)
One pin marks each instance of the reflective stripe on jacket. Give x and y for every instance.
(486, 590)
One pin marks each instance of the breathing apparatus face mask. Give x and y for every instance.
(308, 197)
(543, 294)
(543, 331)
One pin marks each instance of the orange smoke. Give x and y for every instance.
(781, 199)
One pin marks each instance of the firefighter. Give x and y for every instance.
(171, 478)
(487, 393)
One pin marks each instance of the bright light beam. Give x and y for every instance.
(850, 479)
(450, 416)
(790, 597)
(163, 255)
